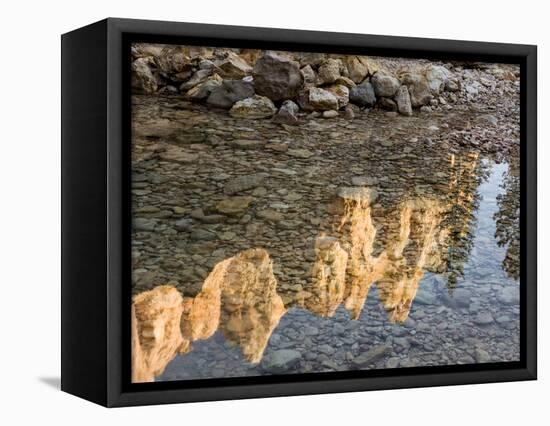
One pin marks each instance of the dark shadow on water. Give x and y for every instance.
(54, 382)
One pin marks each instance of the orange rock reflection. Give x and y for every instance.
(240, 298)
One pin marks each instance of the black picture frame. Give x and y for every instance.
(96, 208)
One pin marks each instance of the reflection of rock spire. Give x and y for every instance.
(358, 233)
(410, 246)
(156, 335)
(413, 247)
(238, 297)
(329, 273)
(251, 307)
(429, 231)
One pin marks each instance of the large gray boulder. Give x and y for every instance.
(384, 84)
(229, 92)
(363, 95)
(277, 77)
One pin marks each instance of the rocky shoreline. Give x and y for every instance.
(287, 86)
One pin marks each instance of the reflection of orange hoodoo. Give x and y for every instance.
(358, 233)
(156, 335)
(251, 307)
(239, 297)
(412, 249)
(329, 274)
(409, 248)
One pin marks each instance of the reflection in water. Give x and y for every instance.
(430, 231)
(156, 334)
(507, 219)
(239, 297)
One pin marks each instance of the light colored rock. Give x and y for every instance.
(141, 50)
(300, 153)
(419, 89)
(234, 205)
(254, 107)
(329, 71)
(425, 296)
(317, 99)
(330, 114)
(403, 101)
(357, 69)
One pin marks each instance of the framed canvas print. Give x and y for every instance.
(252, 212)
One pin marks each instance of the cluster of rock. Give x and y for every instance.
(262, 84)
